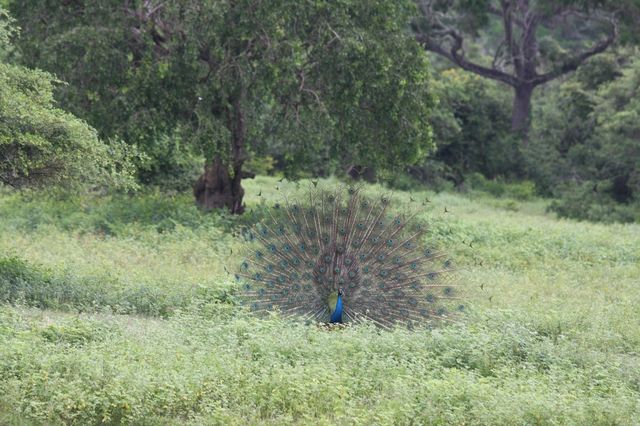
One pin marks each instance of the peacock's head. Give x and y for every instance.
(340, 292)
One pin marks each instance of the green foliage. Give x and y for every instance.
(523, 355)
(7, 32)
(199, 369)
(75, 332)
(522, 190)
(25, 284)
(600, 69)
(153, 220)
(472, 130)
(313, 78)
(562, 122)
(114, 81)
(582, 202)
(306, 77)
(260, 165)
(584, 147)
(116, 215)
(43, 145)
(172, 163)
(407, 182)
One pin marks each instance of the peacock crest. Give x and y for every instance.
(342, 257)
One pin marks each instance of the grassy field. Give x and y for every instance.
(117, 310)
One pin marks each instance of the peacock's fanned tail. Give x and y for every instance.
(304, 252)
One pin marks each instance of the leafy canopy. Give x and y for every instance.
(584, 148)
(344, 78)
(42, 145)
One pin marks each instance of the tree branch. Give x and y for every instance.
(454, 55)
(515, 52)
(494, 63)
(529, 44)
(493, 10)
(573, 63)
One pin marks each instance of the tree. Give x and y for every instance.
(584, 141)
(7, 31)
(538, 40)
(121, 81)
(472, 127)
(41, 145)
(342, 76)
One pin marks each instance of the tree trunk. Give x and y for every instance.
(216, 188)
(357, 172)
(521, 114)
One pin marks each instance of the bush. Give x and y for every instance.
(581, 202)
(33, 286)
(75, 332)
(584, 145)
(523, 190)
(41, 144)
(472, 130)
(116, 214)
(171, 164)
(16, 278)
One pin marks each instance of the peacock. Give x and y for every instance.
(342, 257)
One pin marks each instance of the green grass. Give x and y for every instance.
(120, 310)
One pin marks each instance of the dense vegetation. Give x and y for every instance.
(289, 88)
(227, 78)
(43, 145)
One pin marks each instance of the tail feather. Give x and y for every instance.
(303, 253)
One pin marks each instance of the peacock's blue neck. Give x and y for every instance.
(336, 316)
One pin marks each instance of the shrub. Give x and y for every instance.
(472, 131)
(23, 283)
(584, 146)
(523, 190)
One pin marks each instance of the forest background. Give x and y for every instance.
(449, 95)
